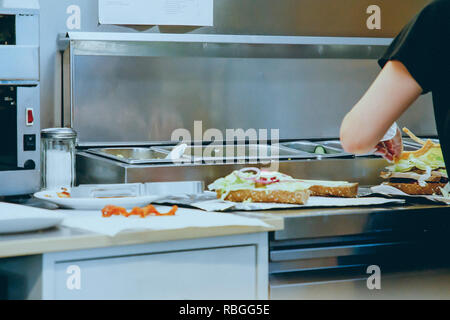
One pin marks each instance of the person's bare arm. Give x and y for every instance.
(393, 91)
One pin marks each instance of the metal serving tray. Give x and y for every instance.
(411, 147)
(411, 142)
(220, 152)
(336, 144)
(331, 148)
(137, 189)
(134, 155)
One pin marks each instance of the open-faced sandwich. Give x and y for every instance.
(420, 172)
(340, 189)
(255, 185)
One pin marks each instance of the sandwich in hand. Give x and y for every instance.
(420, 172)
(255, 185)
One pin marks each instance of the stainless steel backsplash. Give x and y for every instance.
(120, 99)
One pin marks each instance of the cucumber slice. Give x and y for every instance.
(320, 150)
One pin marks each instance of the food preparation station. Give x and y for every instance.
(140, 155)
(125, 93)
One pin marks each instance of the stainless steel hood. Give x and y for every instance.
(222, 46)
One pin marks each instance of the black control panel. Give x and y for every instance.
(29, 142)
(7, 29)
(8, 126)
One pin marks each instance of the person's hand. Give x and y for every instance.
(390, 149)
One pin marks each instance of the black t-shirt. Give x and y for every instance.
(423, 46)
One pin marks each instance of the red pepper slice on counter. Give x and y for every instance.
(151, 210)
(136, 212)
(111, 210)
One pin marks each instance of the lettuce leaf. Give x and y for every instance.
(433, 159)
(233, 182)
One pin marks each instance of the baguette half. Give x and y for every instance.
(270, 196)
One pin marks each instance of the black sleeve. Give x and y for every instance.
(419, 44)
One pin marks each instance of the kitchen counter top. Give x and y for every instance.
(63, 238)
(303, 223)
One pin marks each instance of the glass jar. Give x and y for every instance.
(58, 158)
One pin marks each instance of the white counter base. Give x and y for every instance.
(229, 267)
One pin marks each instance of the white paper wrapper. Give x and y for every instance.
(390, 134)
(391, 191)
(184, 218)
(209, 202)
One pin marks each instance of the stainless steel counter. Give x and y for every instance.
(336, 222)
(325, 253)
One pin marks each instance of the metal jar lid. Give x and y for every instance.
(58, 133)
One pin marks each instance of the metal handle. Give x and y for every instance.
(337, 251)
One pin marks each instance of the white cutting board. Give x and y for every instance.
(17, 218)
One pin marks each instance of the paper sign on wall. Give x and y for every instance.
(156, 12)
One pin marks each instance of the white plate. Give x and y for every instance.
(95, 203)
(28, 224)
(16, 218)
